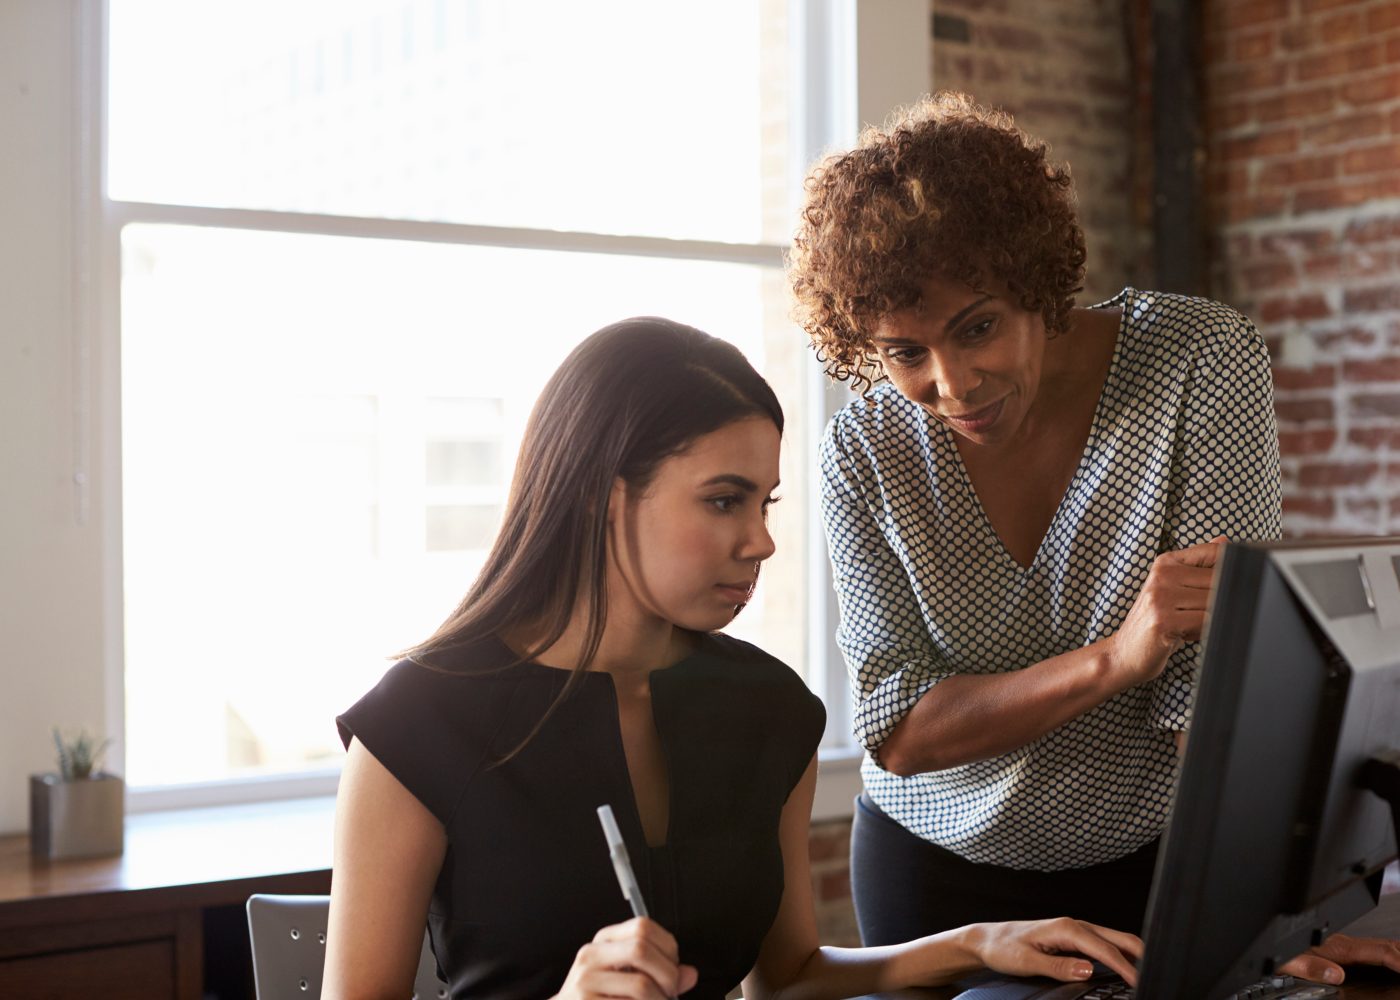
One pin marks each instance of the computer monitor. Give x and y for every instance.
(1281, 825)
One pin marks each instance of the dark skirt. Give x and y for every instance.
(904, 887)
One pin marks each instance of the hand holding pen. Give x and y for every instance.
(637, 959)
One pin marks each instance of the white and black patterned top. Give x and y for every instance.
(1183, 447)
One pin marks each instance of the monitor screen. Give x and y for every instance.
(1276, 837)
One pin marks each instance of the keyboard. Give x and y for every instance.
(1112, 987)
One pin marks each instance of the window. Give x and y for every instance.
(354, 239)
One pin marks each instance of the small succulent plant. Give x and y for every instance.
(79, 757)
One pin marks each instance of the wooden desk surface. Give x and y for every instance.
(194, 858)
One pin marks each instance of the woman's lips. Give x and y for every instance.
(976, 420)
(736, 593)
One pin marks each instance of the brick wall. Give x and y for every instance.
(1303, 100)
(1063, 70)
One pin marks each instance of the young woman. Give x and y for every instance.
(583, 668)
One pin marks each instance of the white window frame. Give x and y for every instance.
(854, 60)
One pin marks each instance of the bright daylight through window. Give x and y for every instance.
(319, 417)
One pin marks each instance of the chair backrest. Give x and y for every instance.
(289, 949)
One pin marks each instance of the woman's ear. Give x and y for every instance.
(617, 500)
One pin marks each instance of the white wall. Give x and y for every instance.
(51, 605)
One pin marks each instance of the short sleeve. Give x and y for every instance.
(427, 727)
(889, 655)
(1225, 471)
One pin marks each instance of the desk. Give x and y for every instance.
(149, 924)
(1361, 984)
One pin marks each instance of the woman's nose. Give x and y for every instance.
(953, 379)
(758, 544)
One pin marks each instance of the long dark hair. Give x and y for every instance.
(628, 397)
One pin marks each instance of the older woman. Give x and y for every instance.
(1021, 510)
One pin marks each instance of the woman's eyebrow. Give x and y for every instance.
(734, 479)
(956, 318)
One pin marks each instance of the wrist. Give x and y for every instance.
(1113, 667)
(948, 956)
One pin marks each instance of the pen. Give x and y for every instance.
(622, 865)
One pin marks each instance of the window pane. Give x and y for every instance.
(317, 438)
(615, 116)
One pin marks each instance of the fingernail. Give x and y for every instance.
(1331, 975)
(1083, 971)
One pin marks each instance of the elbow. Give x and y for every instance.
(905, 757)
(896, 758)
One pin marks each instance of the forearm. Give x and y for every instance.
(971, 717)
(831, 973)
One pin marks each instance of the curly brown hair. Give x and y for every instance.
(947, 187)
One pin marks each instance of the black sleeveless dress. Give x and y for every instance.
(527, 879)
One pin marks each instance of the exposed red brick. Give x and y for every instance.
(1303, 411)
(1296, 241)
(824, 845)
(1375, 404)
(1374, 299)
(1312, 6)
(1316, 442)
(1270, 274)
(1273, 143)
(1222, 116)
(1295, 104)
(1372, 370)
(1373, 230)
(1242, 15)
(1342, 62)
(1345, 195)
(1382, 17)
(1310, 506)
(1372, 89)
(1316, 377)
(1345, 267)
(1351, 337)
(1251, 77)
(1010, 38)
(1303, 170)
(1374, 438)
(1240, 245)
(1295, 307)
(1367, 508)
(1243, 209)
(1347, 128)
(1320, 474)
(1372, 159)
(994, 6)
(836, 885)
(1349, 26)
(1049, 107)
(1253, 45)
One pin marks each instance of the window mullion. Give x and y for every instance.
(122, 213)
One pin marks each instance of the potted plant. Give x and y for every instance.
(78, 812)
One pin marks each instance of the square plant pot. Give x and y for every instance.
(83, 818)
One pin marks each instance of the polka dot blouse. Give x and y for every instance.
(1183, 447)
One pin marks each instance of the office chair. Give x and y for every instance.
(289, 949)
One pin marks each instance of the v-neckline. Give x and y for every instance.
(620, 747)
(1090, 444)
(633, 806)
